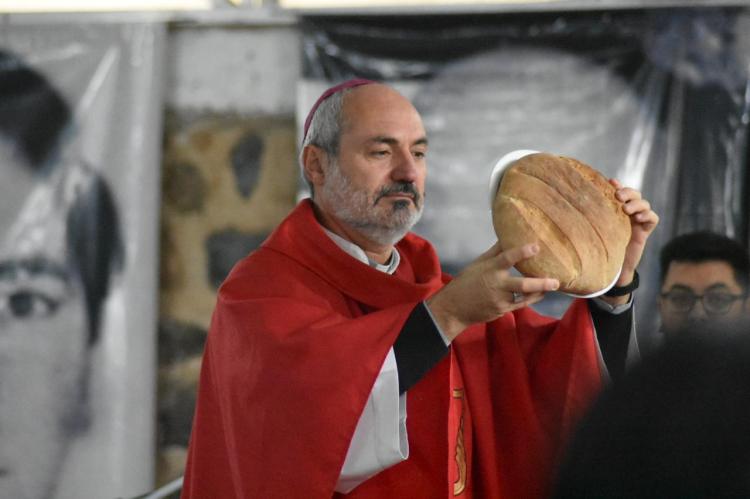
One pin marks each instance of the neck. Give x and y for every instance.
(375, 251)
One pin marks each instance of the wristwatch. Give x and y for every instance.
(624, 290)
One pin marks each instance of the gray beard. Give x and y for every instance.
(355, 208)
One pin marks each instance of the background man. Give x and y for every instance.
(59, 245)
(704, 278)
(321, 336)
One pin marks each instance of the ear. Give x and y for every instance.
(314, 164)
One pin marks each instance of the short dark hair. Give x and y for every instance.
(33, 117)
(95, 247)
(33, 114)
(702, 246)
(677, 425)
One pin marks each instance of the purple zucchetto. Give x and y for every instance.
(355, 82)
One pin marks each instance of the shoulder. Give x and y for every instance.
(418, 250)
(414, 242)
(267, 273)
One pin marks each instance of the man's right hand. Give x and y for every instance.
(484, 290)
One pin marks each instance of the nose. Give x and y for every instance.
(405, 168)
(698, 311)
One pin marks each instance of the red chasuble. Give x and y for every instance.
(298, 337)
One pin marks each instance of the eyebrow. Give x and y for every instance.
(384, 139)
(713, 287)
(11, 269)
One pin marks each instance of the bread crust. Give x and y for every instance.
(571, 211)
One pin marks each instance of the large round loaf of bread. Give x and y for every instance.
(570, 210)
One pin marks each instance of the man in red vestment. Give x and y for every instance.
(341, 361)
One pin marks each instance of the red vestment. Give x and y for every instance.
(298, 337)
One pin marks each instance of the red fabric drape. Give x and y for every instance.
(291, 357)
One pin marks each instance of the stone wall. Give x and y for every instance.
(229, 176)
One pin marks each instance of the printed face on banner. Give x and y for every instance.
(43, 332)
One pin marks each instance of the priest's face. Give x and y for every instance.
(376, 184)
(700, 292)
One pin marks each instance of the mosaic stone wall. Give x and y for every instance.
(226, 183)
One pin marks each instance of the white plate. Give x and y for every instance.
(497, 174)
(601, 291)
(500, 166)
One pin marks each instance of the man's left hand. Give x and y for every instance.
(643, 221)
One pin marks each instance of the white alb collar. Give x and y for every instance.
(358, 253)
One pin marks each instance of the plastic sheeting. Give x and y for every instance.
(80, 130)
(658, 99)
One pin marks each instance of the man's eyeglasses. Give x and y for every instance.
(714, 302)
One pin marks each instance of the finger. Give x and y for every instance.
(490, 253)
(528, 299)
(529, 285)
(533, 298)
(648, 219)
(616, 183)
(510, 257)
(636, 206)
(626, 194)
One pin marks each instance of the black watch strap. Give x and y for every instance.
(625, 290)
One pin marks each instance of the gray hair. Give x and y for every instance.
(325, 129)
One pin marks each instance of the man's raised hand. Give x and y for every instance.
(486, 289)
